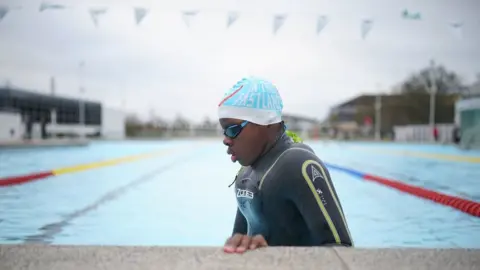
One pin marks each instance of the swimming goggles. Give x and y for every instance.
(234, 130)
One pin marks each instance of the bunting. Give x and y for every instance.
(278, 21)
(188, 16)
(139, 13)
(3, 12)
(95, 13)
(322, 21)
(411, 15)
(365, 28)
(457, 28)
(46, 6)
(232, 17)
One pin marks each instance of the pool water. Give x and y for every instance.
(182, 198)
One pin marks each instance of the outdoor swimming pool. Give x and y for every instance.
(181, 197)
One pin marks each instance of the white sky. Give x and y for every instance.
(165, 66)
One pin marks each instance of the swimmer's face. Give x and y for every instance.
(245, 140)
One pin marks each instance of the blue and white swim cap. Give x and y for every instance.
(252, 99)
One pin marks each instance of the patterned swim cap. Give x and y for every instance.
(253, 99)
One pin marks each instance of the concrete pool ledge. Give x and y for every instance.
(49, 257)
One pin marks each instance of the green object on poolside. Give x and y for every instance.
(294, 136)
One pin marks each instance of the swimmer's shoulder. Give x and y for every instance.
(296, 154)
(301, 149)
(289, 166)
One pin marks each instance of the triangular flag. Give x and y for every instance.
(322, 21)
(231, 18)
(278, 21)
(187, 17)
(411, 15)
(3, 12)
(140, 13)
(45, 5)
(457, 28)
(365, 27)
(95, 14)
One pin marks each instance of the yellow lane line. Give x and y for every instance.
(112, 162)
(446, 157)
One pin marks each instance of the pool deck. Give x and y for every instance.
(37, 143)
(51, 257)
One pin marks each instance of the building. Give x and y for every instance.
(467, 117)
(358, 115)
(26, 115)
(307, 127)
(297, 122)
(467, 108)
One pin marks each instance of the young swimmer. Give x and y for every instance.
(284, 192)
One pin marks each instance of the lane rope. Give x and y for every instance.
(22, 179)
(464, 205)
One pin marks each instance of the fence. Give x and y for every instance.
(423, 133)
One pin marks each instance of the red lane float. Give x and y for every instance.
(16, 180)
(464, 205)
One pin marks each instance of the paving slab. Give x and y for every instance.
(409, 258)
(52, 257)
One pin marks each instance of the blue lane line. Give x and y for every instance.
(355, 173)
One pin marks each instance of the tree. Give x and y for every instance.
(412, 106)
(447, 82)
(133, 124)
(475, 87)
(181, 123)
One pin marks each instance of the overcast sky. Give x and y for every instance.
(170, 68)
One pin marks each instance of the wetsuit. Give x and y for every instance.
(287, 196)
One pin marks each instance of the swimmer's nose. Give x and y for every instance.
(227, 141)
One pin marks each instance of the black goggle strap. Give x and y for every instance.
(234, 180)
(236, 176)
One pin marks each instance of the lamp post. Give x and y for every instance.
(81, 104)
(378, 114)
(433, 92)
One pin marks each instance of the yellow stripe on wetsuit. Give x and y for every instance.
(319, 202)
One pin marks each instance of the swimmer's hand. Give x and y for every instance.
(239, 243)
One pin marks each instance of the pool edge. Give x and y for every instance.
(51, 257)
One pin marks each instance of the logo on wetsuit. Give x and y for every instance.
(316, 175)
(249, 203)
(243, 193)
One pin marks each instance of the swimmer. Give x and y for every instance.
(285, 196)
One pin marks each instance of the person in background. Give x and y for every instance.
(284, 192)
(456, 135)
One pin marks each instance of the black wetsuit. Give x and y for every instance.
(288, 197)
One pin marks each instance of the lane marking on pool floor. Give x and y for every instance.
(22, 179)
(437, 156)
(49, 231)
(467, 206)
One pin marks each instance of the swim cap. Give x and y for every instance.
(252, 99)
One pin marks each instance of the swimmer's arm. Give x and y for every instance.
(315, 198)
(240, 225)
